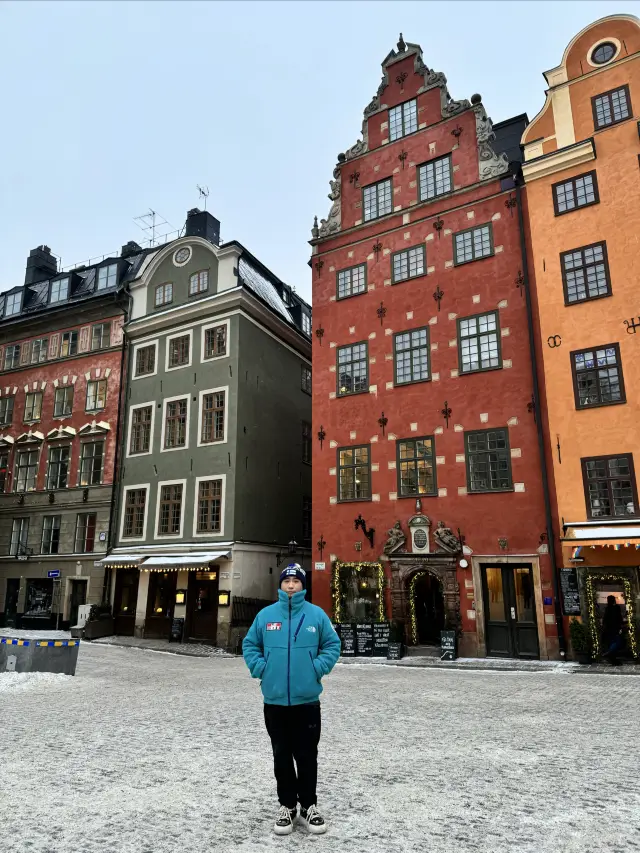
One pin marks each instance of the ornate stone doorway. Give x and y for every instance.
(425, 596)
(426, 606)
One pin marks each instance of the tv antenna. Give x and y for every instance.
(153, 224)
(203, 193)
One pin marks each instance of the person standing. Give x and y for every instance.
(613, 625)
(291, 646)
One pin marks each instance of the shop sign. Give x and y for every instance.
(320, 567)
(53, 573)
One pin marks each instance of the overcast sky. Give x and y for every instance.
(112, 108)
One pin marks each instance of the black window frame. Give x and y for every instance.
(212, 333)
(170, 496)
(58, 282)
(468, 454)
(366, 360)
(306, 379)
(575, 374)
(97, 385)
(72, 344)
(585, 482)
(554, 192)
(53, 544)
(600, 46)
(105, 330)
(473, 259)
(339, 468)
(18, 544)
(213, 417)
(376, 184)
(134, 512)
(415, 458)
(84, 522)
(605, 263)
(171, 365)
(109, 274)
(140, 351)
(402, 107)
(42, 350)
(67, 407)
(139, 431)
(36, 395)
(350, 270)
(608, 95)
(16, 350)
(58, 470)
(19, 467)
(480, 369)
(88, 461)
(306, 442)
(6, 418)
(410, 332)
(407, 251)
(432, 163)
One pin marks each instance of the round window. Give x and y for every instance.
(603, 53)
(420, 539)
(182, 255)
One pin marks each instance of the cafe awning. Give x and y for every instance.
(121, 560)
(618, 534)
(183, 562)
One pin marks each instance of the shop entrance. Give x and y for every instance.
(124, 602)
(606, 625)
(510, 611)
(427, 605)
(202, 606)
(160, 603)
(78, 597)
(11, 603)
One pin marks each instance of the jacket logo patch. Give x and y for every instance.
(274, 626)
(311, 628)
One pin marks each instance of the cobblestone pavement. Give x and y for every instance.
(155, 753)
(198, 650)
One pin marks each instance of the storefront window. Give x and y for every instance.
(39, 598)
(359, 592)
(162, 589)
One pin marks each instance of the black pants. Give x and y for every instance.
(295, 732)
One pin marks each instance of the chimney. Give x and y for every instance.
(200, 223)
(41, 265)
(129, 249)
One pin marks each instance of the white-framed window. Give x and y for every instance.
(170, 505)
(39, 350)
(91, 463)
(6, 410)
(107, 276)
(145, 359)
(306, 324)
(96, 395)
(377, 199)
(140, 431)
(199, 282)
(215, 340)
(50, 534)
(208, 515)
(182, 256)
(13, 304)
(163, 294)
(179, 351)
(59, 290)
(175, 423)
(26, 471)
(63, 401)
(403, 119)
(19, 536)
(11, 356)
(68, 344)
(100, 336)
(434, 178)
(213, 415)
(135, 509)
(32, 406)
(58, 467)
(85, 533)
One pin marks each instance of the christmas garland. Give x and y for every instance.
(591, 599)
(357, 567)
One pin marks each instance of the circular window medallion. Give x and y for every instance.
(603, 53)
(420, 539)
(181, 256)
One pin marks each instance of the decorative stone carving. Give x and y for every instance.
(452, 108)
(445, 539)
(333, 223)
(396, 540)
(419, 529)
(492, 165)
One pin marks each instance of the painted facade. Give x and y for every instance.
(581, 168)
(61, 350)
(215, 479)
(424, 432)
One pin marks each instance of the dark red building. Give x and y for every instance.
(427, 499)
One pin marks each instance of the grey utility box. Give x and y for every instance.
(39, 655)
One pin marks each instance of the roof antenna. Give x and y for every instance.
(150, 222)
(203, 193)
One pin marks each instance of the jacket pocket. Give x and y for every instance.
(304, 680)
(274, 677)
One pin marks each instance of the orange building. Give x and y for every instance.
(582, 157)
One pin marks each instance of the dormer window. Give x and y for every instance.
(59, 290)
(13, 303)
(107, 276)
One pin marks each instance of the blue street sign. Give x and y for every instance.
(548, 600)
(53, 573)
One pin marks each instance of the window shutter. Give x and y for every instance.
(84, 339)
(116, 330)
(25, 352)
(54, 343)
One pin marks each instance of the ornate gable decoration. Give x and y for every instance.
(94, 428)
(60, 433)
(6, 440)
(30, 437)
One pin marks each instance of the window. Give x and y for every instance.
(352, 369)
(12, 304)
(354, 469)
(479, 343)
(69, 344)
(100, 336)
(416, 467)
(434, 178)
(175, 433)
(179, 350)
(91, 458)
(141, 430)
(107, 276)
(19, 536)
(215, 341)
(4, 469)
(164, 294)
(305, 379)
(26, 471)
(597, 377)
(611, 107)
(59, 290)
(352, 281)
(585, 273)
(306, 442)
(50, 534)
(306, 324)
(306, 522)
(210, 506)
(198, 282)
(603, 53)
(63, 401)
(377, 199)
(578, 192)
(96, 395)
(134, 510)
(33, 406)
(408, 263)
(39, 349)
(12, 356)
(473, 244)
(170, 510)
(403, 120)
(488, 460)
(85, 533)
(411, 351)
(58, 467)
(6, 410)
(213, 410)
(610, 486)
(145, 360)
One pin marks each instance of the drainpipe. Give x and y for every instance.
(538, 418)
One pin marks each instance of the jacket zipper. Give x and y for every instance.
(295, 636)
(289, 658)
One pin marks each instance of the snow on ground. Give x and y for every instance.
(12, 681)
(154, 753)
(34, 635)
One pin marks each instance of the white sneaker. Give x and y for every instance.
(284, 821)
(312, 820)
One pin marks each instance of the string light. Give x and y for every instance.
(412, 604)
(591, 599)
(357, 567)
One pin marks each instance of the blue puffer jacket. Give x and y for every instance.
(291, 646)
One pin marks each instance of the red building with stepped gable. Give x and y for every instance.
(428, 500)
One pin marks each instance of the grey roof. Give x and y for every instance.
(263, 288)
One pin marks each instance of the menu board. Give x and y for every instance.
(448, 645)
(570, 592)
(380, 639)
(177, 627)
(347, 634)
(395, 651)
(364, 639)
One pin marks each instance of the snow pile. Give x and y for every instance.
(15, 681)
(34, 635)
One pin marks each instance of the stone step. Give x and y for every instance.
(423, 651)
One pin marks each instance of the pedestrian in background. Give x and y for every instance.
(290, 647)
(613, 627)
